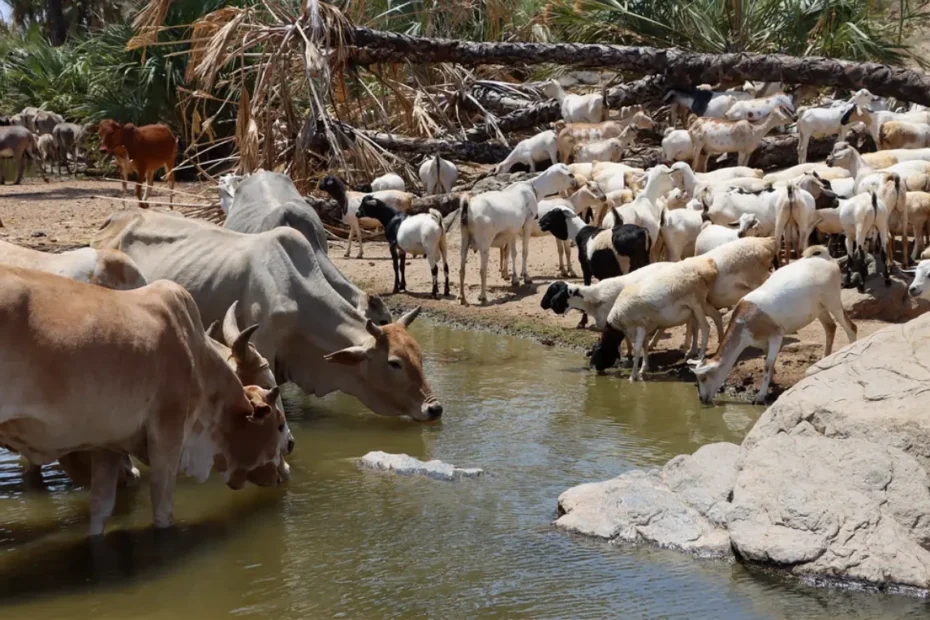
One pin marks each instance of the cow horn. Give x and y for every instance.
(240, 346)
(373, 329)
(215, 332)
(408, 318)
(230, 325)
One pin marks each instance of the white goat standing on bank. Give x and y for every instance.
(589, 108)
(438, 175)
(531, 150)
(792, 298)
(495, 219)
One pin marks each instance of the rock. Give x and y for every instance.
(883, 303)
(679, 507)
(409, 466)
(850, 509)
(875, 389)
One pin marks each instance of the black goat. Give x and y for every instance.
(417, 234)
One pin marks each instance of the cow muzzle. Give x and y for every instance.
(430, 412)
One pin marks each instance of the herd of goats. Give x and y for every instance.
(669, 246)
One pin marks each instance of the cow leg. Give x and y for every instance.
(20, 168)
(164, 456)
(149, 184)
(104, 476)
(169, 176)
(32, 476)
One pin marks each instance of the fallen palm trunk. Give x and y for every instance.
(482, 153)
(680, 67)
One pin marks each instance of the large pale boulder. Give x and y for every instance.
(848, 509)
(682, 506)
(877, 389)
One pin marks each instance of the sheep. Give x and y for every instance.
(417, 234)
(595, 300)
(860, 216)
(583, 200)
(904, 135)
(350, 200)
(876, 118)
(674, 297)
(646, 210)
(531, 150)
(701, 102)
(713, 136)
(570, 135)
(388, 181)
(610, 149)
(601, 253)
(712, 235)
(677, 145)
(790, 299)
(679, 231)
(496, 218)
(757, 109)
(591, 108)
(438, 175)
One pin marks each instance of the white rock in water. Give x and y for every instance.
(406, 465)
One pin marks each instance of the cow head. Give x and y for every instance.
(249, 443)
(391, 368)
(113, 137)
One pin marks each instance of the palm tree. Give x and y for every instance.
(58, 28)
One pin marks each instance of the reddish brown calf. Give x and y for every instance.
(146, 148)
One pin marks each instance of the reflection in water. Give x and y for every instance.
(339, 540)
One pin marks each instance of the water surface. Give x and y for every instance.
(341, 541)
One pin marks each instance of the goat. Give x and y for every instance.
(417, 234)
(796, 214)
(675, 296)
(757, 109)
(918, 217)
(591, 108)
(713, 235)
(439, 174)
(860, 216)
(823, 122)
(389, 181)
(595, 300)
(877, 118)
(680, 229)
(530, 151)
(610, 149)
(791, 174)
(701, 102)
(496, 218)
(646, 209)
(713, 136)
(921, 279)
(904, 135)
(349, 201)
(571, 135)
(582, 201)
(790, 299)
(677, 145)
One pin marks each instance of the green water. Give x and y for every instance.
(340, 541)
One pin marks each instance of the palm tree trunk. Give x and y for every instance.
(58, 29)
(680, 68)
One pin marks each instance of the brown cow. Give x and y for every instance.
(146, 148)
(89, 368)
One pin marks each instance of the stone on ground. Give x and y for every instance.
(406, 465)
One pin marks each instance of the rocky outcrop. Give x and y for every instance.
(409, 466)
(883, 303)
(681, 506)
(847, 509)
(876, 389)
(831, 482)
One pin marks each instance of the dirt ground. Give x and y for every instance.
(64, 214)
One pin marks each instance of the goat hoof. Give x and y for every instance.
(527, 280)
(759, 400)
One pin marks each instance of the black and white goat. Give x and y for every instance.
(417, 234)
(601, 252)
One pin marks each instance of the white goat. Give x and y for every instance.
(795, 218)
(860, 217)
(823, 122)
(713, 136)
(646, 210)
(495, 219)
(917, 288)
(586, 197)
(904, 135)
(680, 229)
(438, 175)
(792, 298)
(531, 150)
(610, 150)
(677, 295)
(677, 145)
(757, 109)
(577, 108)
(701, 102)
(876, 118)
(388, 181)
(711, 236)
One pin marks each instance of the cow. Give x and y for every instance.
(146, 148)
(38, 121)
(265, 200)
(68, 138)
(16, 142)
(88, 368)
(315, 337)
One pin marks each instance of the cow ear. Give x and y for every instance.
(259, 413)
(349, 356)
